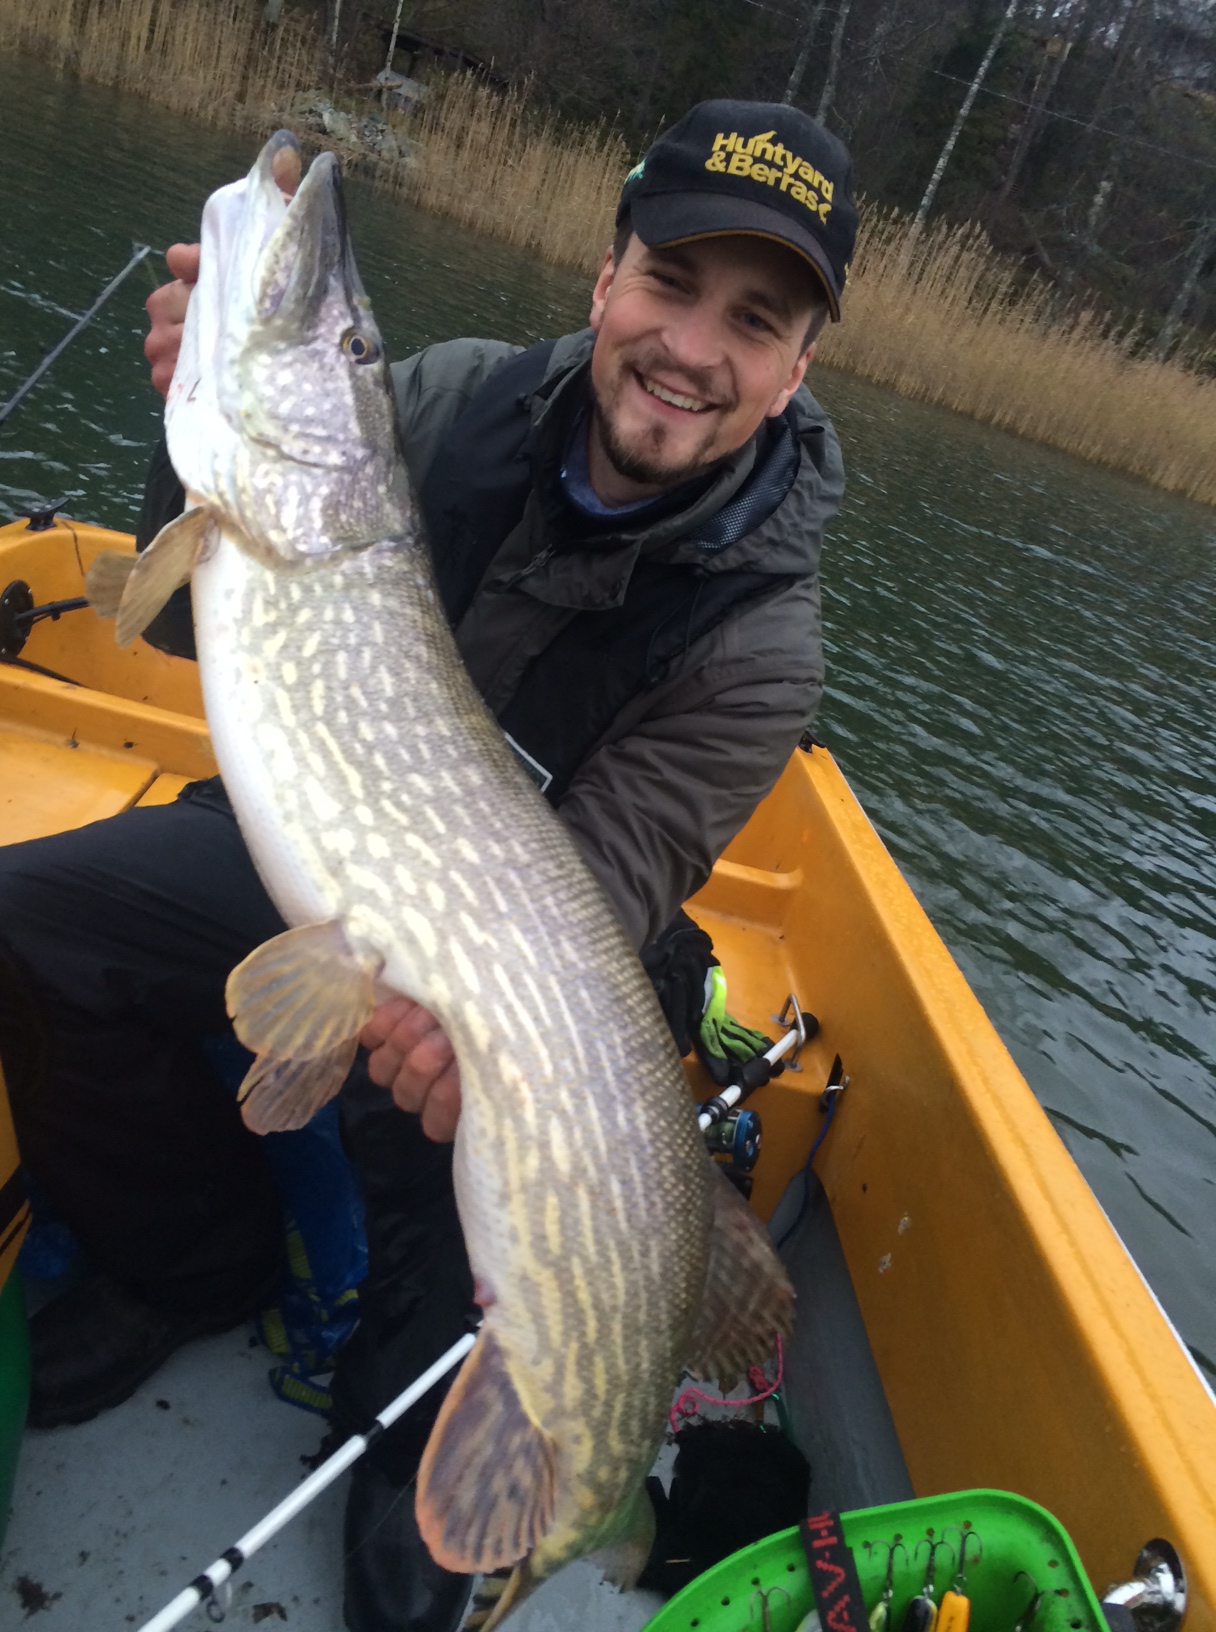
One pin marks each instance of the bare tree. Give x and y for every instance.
(1055, 53)
(1203, 246)
(829, 84)
(814, 13)
(392, 44)
(973, 90)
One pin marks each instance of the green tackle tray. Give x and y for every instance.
(1016, 1535)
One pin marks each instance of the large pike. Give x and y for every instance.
(396, 833)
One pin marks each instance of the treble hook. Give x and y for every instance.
(764, 1594)
(964, 1536)
(1032, 1608)
(880, 1615)
(955, 1612)
(921, 1613)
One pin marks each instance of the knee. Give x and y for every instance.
(35, 902)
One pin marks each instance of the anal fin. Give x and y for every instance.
(487, 1483)
(278, 1095)
(302, 993)
(748, 1301)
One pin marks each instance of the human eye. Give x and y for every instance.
(666, 279)
(757, 323)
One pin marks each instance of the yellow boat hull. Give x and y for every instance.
(1018, 1345)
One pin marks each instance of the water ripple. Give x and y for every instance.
(1020, 687)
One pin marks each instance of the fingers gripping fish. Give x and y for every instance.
(395, 831)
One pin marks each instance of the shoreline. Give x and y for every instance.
(933, 315)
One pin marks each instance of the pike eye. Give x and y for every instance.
(360, 348)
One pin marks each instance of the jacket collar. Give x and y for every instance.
(594, 569)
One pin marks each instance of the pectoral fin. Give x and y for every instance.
(106, 579)
(145, 582)
(302, 994)
(278, 1095)
(748, 1300)
(488, 1477)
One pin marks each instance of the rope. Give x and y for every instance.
(687, 1403)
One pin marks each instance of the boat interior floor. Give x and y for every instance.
(111, 1519)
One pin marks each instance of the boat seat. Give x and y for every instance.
(49, 784)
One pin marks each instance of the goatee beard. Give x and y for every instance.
(637, 466)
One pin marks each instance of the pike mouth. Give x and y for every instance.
(674, 399)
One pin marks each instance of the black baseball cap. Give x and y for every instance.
(749, 167)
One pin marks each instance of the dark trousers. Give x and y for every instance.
(115, 943)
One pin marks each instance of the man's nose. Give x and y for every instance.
(694, 337)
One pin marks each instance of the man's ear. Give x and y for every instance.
(781, 401)
(599, 295)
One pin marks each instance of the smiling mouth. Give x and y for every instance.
(674, 399)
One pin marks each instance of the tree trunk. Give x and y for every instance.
(392, 44)
(1202, 245)
(973, 90)
(829, 84)
(1127, 38)
(814, 13)
(1097, 209)
(1035, 114)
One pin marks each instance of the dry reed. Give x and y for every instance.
(937, 316)
(211, 60)
(486, 160)
(933, 315)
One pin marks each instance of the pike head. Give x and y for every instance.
(280, 417)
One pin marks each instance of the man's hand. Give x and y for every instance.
(167, 305)
(412, 1057)
(167, 313)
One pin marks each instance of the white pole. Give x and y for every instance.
(229, 1562)
(732, 1095)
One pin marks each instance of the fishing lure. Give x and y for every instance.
(880, 1615)
(921, 1613)
(955, 1612)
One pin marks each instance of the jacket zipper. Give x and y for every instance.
(537, 562)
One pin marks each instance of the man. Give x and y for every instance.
(626, 526)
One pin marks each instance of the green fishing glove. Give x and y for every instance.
(721, 1041)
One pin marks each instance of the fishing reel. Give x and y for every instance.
(737, 1136)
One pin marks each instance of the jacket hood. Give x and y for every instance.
(762, 513)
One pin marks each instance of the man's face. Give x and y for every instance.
(695, 346)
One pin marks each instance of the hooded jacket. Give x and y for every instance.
(678, 768)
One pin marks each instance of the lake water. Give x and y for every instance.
(1021, 683)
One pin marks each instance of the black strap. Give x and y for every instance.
(833, 1574)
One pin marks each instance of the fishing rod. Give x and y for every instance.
(764, 1067)
(142, 251)
(203, 1586)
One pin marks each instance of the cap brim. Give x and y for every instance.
(665, 219)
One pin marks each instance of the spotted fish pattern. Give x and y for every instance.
(402, 842)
